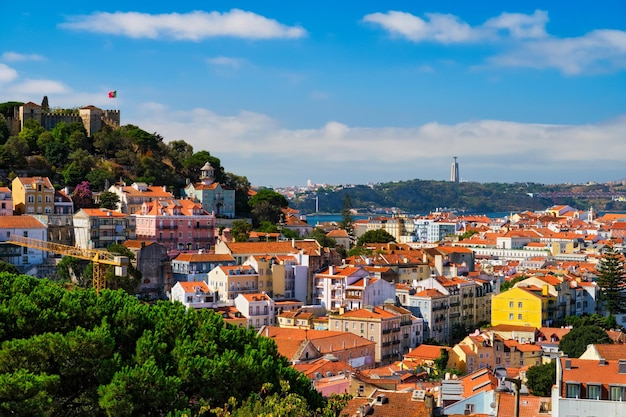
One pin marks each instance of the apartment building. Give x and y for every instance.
(524, 306)
(258, 308)
(230, 281)
(100, 228)
(32, 195)
(377, 325)
(177, 224)
(194, 266)
(132, 197)
(6, 201)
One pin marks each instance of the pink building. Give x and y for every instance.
(6, 202)
(176, 224)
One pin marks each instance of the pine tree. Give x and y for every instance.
(612, 281)
(347, 219)
(45, 107)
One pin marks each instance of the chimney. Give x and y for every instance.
(568, 364)
(331, 269)
(545, 290)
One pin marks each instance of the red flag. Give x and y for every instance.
(112, 94)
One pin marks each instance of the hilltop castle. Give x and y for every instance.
(92, 117)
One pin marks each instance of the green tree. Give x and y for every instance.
(109, 200)
(267, 205)
(241, 185)
(507, 285)
(241, 230)
(375, 236)
(30, 132)
(8, 267)
(441, 363)
(347, 218)
(612, 281)
(575, 342)
(130, 282)
(321, 237)
(4, 130)
(540, 378)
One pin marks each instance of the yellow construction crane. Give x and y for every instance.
(99, 258)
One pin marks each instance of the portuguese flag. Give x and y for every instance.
(112, 94)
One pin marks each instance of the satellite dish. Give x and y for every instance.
(492, 405)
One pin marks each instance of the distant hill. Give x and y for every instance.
(419, 196)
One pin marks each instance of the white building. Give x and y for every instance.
(258, 308)
(26, 226)
(193, 294)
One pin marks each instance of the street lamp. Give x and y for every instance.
(517, 385)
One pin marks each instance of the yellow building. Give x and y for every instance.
(33, 195)
(528, 306)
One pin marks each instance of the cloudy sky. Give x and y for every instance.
(343, 92)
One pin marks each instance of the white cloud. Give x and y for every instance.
(40, 87)
(529, 44)
(225, 61)
(521, 25)
(14, 57)
(597, 51)
(255, 145)
(7, 73)
(193, 26)
(442, 28)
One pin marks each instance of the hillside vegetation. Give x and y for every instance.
(68, 156)
(418, 196)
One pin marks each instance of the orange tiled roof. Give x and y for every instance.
(191, 286)
(20, 222)
(376, 313)
(427, 352)
(204, 257)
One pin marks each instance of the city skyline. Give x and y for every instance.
(283, 92)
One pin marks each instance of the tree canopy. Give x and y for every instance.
(574, 343)
(540, 379)
(267, 205)
(375, 236)
(71, 352)
(612, 281)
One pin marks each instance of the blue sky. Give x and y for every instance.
(343, 92)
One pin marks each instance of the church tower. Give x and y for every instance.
(207, 174)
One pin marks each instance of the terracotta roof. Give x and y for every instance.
(97, 212)
(529, 406)
(259, 296)
(204, 257)
(376, 313)
(20, 222)
(395, 404)
(263, 248)
(427, 352)
(191, 286)
(612, 352)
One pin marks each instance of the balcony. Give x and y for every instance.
(396, 342)
(167, 226)
(386, 331)
(385, 344)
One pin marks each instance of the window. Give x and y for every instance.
(616, 393)
(519, 304)
(510, 304)
(594, 391)
(510, 316)
(572, 389)
(519, 316)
